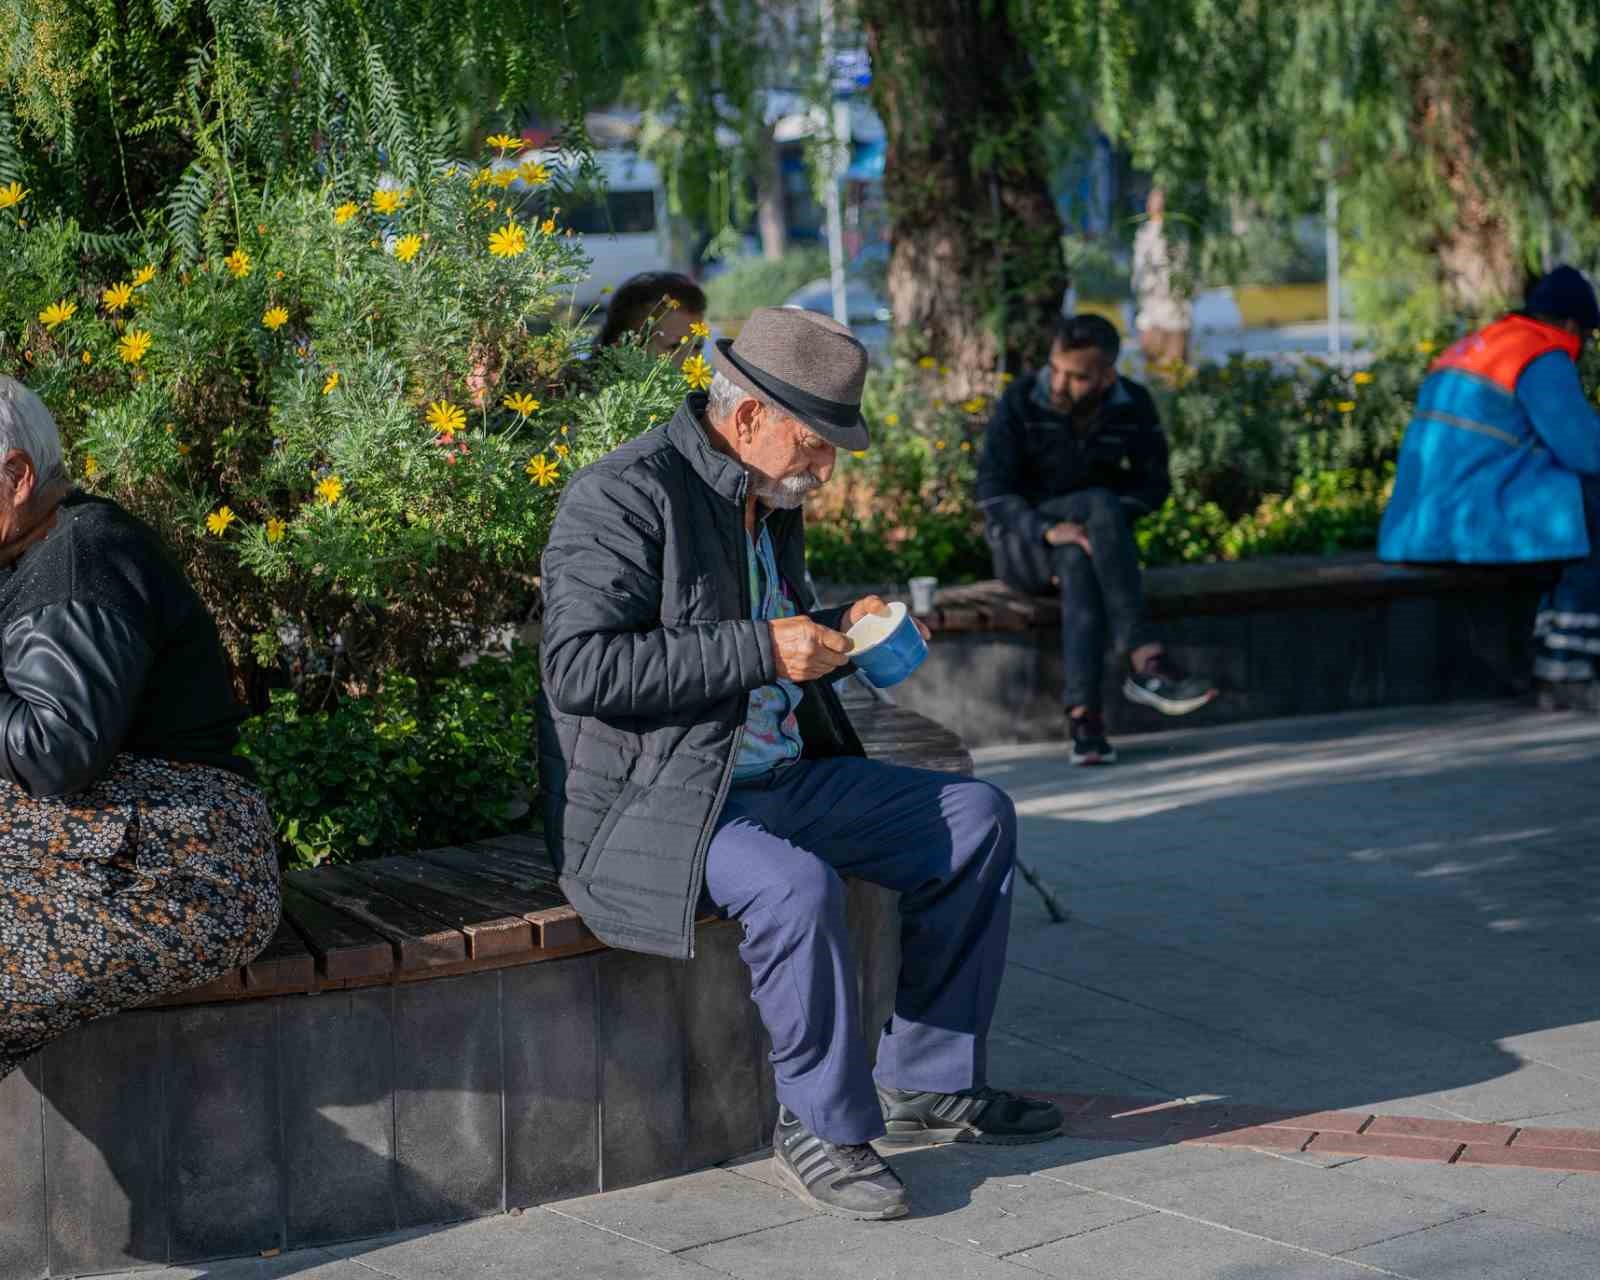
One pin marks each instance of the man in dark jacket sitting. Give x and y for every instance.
(693, 750)
(1073, 456)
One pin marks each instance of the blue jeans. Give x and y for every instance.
(946, 843)
(1102, 596)
(1568, 624)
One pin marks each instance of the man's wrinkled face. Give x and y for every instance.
(1079, 379)
(785, 459)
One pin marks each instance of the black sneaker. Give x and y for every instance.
(990, 1116)
(1089, 742)
(1161, 685)
(850, 1182)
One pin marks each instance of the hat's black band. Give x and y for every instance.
(834, 413)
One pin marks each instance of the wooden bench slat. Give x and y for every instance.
(494, 896)
(489, 932)
(420, 941)
(286, 963)
(344, 948)
(557, 922)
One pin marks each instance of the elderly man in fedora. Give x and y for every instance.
(693, 751)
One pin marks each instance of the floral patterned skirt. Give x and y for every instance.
(158, 878)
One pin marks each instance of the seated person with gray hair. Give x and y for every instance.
(137, 859)
(694, 755)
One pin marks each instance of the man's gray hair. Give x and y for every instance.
(723, 397)
(27, 425)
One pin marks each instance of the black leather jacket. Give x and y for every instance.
(104, 648)
(1031, 453)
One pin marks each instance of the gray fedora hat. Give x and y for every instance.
(805, 363)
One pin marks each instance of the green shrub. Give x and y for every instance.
(321, 414)
(756, 282)
(402, 769)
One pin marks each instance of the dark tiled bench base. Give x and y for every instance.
(397, 1060)
(1283, 636)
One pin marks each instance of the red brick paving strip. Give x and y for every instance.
(1118, 1118)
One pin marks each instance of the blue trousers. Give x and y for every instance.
(1568, 624)
(946, 843)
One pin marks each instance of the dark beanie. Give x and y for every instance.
(1566, 294)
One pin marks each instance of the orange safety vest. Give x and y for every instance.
(1499, 352)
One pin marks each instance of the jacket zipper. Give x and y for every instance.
(698, 872)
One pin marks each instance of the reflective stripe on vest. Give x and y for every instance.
(1500, 352)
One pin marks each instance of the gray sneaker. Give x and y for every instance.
(1161, 685)
(990, 1116)
(847, 1181)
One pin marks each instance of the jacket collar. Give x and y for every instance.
(687, 434)
(1039, 394)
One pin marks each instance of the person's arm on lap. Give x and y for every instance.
(607, 650)
(1552, 397)
(73, 675)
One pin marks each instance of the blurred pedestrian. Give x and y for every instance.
(1164, 315)
(661, 310)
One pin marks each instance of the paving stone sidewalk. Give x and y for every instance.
(1391, 915)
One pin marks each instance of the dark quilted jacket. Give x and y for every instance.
(649, 656)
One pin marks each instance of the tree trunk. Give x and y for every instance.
(771, 215)
(976, 273)
(1479, 265)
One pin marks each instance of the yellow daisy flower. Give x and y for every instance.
(91, 467)
(386, 201)
(1346, 406)
(1425, 347)
(548, 226)
(697, 373)
(274, 318)
(345, 212)
(927, 362)
(275, 529)
(238, 262)
(1361, 379)
(117, 297)
(331, 490)
(503, 178)
(330, 382)
(133, 346)
(219, 520)
(445, 417)
(57, 313)
(12, 195)
(86, 358)
(891, 419)
(974, 405)
(504, 142)
(542, 471)
(521, 404)
(407, 247)
(533, 173)
(939, 444)
(700, 330)
(509, 241)
(143, 276)
(561, 450)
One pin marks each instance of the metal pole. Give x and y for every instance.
(1331, 216)
(841, 311)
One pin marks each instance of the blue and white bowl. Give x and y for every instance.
(887, 648)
